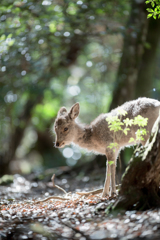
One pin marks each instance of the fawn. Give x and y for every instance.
(97, 136)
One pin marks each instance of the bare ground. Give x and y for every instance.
(77, 218)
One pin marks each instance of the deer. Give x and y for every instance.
(96, 136)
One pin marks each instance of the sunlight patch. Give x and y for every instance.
(67, 152)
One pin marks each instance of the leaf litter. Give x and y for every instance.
(78, 217)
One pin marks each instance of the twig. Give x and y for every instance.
(94, 192)
(97, 191)
(57, 185)
(52, 197)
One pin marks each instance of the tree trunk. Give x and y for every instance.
(133, 48)
(145, 81)
(140, 183)
(17, 136)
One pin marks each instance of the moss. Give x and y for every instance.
(6, 180)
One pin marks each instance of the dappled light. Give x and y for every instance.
(72, 155)
(98, 54)
(51, 57)
(82, 218)
(74, 90)
(67, 152)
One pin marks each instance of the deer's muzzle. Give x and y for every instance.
(58, 145)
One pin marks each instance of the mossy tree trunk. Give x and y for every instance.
(140, 183)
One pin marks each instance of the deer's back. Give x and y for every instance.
(146, 107)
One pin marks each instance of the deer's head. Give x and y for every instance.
(64, 125)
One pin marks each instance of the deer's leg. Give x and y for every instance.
(107, 180)
(113, 179)
(113, 172)
(110, 173)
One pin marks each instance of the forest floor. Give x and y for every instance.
(81, 218)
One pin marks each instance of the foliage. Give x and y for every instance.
(121, 126)
(155, 10)
(40, 44)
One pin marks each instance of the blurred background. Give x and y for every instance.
(54, 53)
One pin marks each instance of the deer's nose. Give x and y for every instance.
(57, 144)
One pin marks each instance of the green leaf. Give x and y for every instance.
(149, 15)
(139, 134)
(142, 131)
(126, 131)
(111, 162)
(113, 146)
(52, 27)
(149, 10)
(3, 37)
(111, 119)
(121, 112)
(72, 9)
(152, 4)
(9, 36)
(128, 122)
(140, 121)
(154, 17)
(116, 126)
(11, 42)
(131, 140)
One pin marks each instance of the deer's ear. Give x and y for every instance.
(74, 111)
(62, 111)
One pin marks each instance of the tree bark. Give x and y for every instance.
(17, 135)
(140, 183)
(145, 81)
(132, 52)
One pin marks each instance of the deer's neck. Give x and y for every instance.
(83, 136)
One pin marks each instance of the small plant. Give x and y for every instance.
(156, 8)
(120, 127)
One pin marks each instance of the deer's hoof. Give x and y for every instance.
(113, 194)
(105, 195)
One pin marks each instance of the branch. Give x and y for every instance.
(94, 192)
(57, 185)
(54, 197)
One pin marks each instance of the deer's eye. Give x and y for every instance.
(65, 129)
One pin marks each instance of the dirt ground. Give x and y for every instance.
(76, 218)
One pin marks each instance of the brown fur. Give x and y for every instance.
(96, 137)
